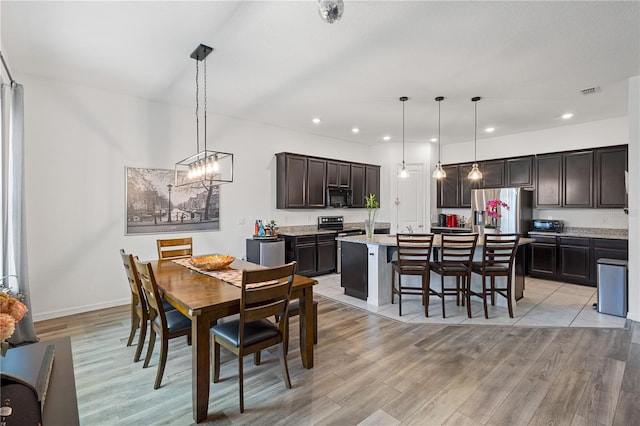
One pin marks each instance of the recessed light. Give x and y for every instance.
(316, 120)
(434, 139)
(490, 129)
(567, 116)
(355, 130)
(386, 138)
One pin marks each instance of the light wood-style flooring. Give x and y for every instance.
(370, 370)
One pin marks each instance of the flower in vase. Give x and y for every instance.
(493, 213)
(11, 311)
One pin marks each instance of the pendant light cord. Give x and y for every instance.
(475, 133)
(205, 104)
(403, 133)
(439, 144)
(197, 107)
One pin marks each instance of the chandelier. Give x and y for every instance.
(330, 10)
(206, 167)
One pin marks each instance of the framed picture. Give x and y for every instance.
(155, 204)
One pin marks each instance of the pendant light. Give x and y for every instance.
(439, 172)
(206, 168)
(403, 173)
(475, 173)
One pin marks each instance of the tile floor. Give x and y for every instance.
(545, 303)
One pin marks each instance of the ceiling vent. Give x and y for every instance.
(591, 90)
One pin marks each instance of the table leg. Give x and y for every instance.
(200, 365)
(307, 324)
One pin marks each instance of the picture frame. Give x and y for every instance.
(151, 195)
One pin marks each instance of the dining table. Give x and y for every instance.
(205, 299)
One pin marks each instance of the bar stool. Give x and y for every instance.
(456, 257)
(414, 252)
(498, 256)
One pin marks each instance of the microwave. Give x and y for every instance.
(544, 225)
(339, 197)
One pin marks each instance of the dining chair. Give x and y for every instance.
(175, 248)
(414, 254)
(455, 259)
(498, 256)
(166, 324)
(139, 310)
(264, 293)
(294, 310)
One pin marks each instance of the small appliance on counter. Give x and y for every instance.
(442, 220)
(452, 221)
(547, 225)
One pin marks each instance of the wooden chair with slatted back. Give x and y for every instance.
(166, 324)
(175, 248)
(139, 310)
(456, 257)
(253, 331)
(414, 254)
(498, 256)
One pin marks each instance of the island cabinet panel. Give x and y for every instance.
(338, 174)
(520, 172)
(358, 184)
(354, 277)
(493, 173)
(578, 179)
(610, 165)
(574, 260)
(316, 182)
(549, 180)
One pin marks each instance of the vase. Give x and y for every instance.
(490, 230)
(370, 226)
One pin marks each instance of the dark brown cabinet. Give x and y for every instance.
(577, 182)
(357, 184)
(466, 185)
(338, 174)
(609, 168)
(448, 192)
(493, 174)
(314, 254)
(549, 180)
(573, 259)
(520, 172)
(302, 181)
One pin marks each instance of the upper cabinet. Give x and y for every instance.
(302, 181)
(549, 180)
(455, 190)
(577, 184)
(520, 171)
(493, 174)
(610, 165)
(338, 174)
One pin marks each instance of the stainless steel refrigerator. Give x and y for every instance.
(516, 219)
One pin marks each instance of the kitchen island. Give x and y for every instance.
(366, 266)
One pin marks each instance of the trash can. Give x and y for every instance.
(612, 287)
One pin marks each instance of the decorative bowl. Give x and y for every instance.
(213, 262)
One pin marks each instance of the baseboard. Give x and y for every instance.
(633, 316)
(43, 316)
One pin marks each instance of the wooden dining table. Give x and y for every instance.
(205, 299)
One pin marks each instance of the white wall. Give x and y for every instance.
(78, 142)
(634, 198)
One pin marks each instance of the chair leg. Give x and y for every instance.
(164, 343)
(484, 297)
(399, 294)
(141, 337)
(216, 362)
(493, 290)
(284, 367)
(393, 285)
(466, 285)
(152, 342)
(241, 381)
(189, 339)
(458, 292)
(256, 358)
(442, 289)
(509, 296)
(135, 323)
(425, 294)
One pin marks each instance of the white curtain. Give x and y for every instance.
(14, 238)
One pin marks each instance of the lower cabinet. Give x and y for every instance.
(355, 273)
(314, 254)
(573, 259)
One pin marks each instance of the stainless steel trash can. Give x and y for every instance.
(612, 287)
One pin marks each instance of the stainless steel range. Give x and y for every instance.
(336, 223)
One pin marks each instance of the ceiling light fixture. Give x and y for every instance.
(386, 138)
(355, 130)
(433, 140)
(330, 10)
(567, 116)
(316, 121)
(439, 172)
(403, 173)
(206, 168)
(475, 173)
(490, 129)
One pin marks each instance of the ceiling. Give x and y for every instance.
(279, 63)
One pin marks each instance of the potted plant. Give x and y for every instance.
(372, 207)
(493, 214)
